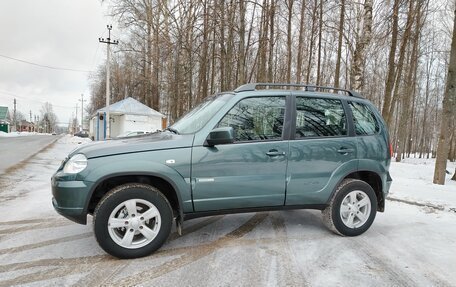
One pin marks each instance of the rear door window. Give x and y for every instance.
(364, 120)
(317, 117)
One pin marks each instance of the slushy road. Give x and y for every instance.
(13, 150)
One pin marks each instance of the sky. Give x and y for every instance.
(57, 33)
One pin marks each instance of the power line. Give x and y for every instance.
(37, 101)
(45, 66)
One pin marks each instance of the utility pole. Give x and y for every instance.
(108, 42)
(75, 124)
(31, 118)
(14, 115)
(82, 111)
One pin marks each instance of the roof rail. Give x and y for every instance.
(311, 88)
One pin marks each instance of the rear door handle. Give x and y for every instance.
(274, 152)
(343, 150)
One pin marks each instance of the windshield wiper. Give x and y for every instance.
(173, 130)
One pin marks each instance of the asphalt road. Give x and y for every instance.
(406, 246)
(13, 150)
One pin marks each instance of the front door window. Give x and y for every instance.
(255, 119)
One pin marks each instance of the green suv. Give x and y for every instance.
(260, 147)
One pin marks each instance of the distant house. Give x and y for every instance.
(4, 121)
(126, 115)
(27, 126)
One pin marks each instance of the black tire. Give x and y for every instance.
(332, 216)
(117, 196)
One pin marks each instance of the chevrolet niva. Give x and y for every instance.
(261, 147)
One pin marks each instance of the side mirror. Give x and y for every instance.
(218, 136)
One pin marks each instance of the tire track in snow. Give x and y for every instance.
(45, 243)
(34, 227)
(425, 270)
(292, 275)
(79, 265)
(193, 254)
(94, 278)
(27, 221)
(388, 270)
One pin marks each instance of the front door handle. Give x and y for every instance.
(343, 150)
(274, 152)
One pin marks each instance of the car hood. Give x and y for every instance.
(149, 142)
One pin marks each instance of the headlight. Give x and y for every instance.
(75, 164)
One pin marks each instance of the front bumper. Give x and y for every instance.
(70, 198)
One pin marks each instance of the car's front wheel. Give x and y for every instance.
(352, 208)
(132, 220)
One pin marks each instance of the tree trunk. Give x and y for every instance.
(156, 66)
(213, 48)
(400, 64)
(222, 23)
(339, 45)
(359, 57)
(426, 104)
(448, 111)
(406, 97)
(300, 43)
(229, 56)
(263, 36)
(391, 64)
(271, 41)
(289, 47)
(202, 81)
(312, 40)
(241, 63)
(320, 25)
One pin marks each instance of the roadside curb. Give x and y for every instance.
(23, 162)
(423, 204)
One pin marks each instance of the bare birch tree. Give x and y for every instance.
(448, 111)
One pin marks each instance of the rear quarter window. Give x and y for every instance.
(364, 120)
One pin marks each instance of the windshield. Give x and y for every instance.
(197, 118)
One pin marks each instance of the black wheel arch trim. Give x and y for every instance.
(118, 174)
(345, 176)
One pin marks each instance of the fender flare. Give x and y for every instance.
(136, 173)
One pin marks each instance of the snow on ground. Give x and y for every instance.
(412, 181)
(72, 140)
(407, 245)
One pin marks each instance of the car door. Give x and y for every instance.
(322, 150)
(251, 171)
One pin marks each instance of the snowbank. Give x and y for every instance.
(69, 139)
(412, 181)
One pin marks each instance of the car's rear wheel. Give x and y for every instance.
(132, 220)
(352, 208)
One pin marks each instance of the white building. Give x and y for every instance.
(126, 115)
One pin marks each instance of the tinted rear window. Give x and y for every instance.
(319, 118)
(364, 120)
